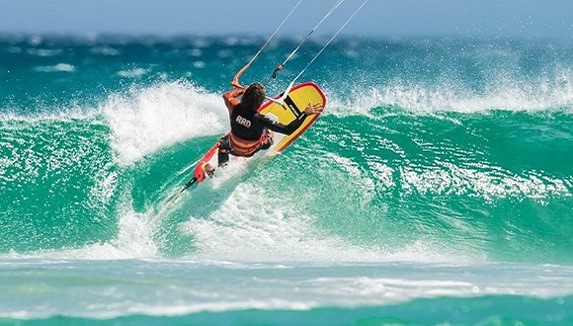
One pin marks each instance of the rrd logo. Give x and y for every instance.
(243, 122)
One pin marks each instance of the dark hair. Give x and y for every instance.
(254, 96)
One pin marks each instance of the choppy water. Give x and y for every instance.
(436, 188)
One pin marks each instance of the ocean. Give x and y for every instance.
(436, 188)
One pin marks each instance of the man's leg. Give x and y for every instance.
(224, 150)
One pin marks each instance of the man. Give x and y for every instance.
(250, 129)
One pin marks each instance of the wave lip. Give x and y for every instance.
(156, 117)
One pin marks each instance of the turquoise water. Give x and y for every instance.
(436, 188)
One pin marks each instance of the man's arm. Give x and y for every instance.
(291, 127)
(231, 98)
(279, 127)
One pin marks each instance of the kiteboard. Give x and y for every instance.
(284, 110)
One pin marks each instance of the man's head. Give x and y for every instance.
(254, 96)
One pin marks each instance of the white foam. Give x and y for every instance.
(60, 67)
(105, 50)
(45, 52)
(499, 93)
(132, 73)
(494, 184)
(252, 226)
(133, 241)
(147, 120)
(199, 64)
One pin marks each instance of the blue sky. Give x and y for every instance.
(385, 18)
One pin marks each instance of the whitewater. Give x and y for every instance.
(435, 188)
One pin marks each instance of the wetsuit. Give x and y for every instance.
(248, 129)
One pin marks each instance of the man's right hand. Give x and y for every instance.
(313, 109)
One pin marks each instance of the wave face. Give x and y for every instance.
(428, 150)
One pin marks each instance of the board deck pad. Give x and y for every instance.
(299, 97)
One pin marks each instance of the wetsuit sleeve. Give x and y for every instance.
(279, 127)
(231, 98)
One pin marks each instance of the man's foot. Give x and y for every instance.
(268, 141)
(209, 170)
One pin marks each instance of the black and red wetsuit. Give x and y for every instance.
(248, 127)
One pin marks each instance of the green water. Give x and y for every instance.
(435, 189)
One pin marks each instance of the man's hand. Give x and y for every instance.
(313, 109)
(235, 83)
